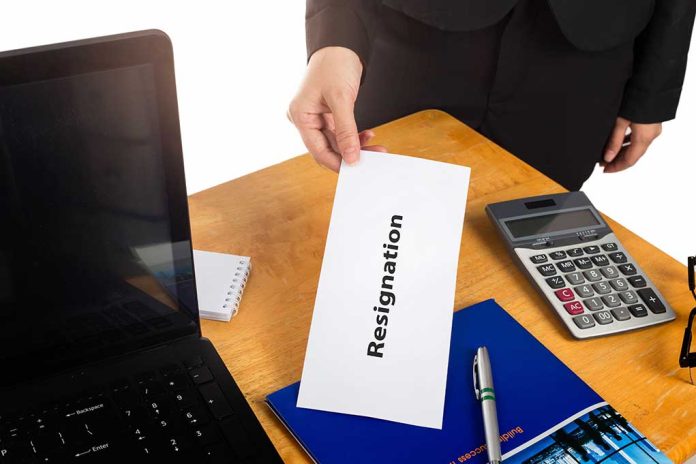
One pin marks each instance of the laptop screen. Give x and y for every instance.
(95, 257)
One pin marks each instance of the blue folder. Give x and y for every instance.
(542, 407)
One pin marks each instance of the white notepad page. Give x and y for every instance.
(392, 250)
(220, 280)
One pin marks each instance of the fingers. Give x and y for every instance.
(320, 148)
(627, 157)
(642, 135)
(319, 132)
(346, 130)
(310, 127)
(616, 139)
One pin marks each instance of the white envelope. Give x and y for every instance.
(380, 335)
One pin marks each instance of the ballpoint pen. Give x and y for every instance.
(483, 388)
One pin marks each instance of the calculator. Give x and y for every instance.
(572, 256)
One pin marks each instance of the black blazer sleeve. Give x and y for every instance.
(652, 93)
(342, 23)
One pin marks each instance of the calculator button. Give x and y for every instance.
(575, 278)
(557, 255)
(638, 310)
(583, 263)
(602, 288)
(566, 266)
(590, 250)
(547, 269)
(610, 247)
(627, 269)
(609, 272)
(565, 294)
(584, 322)
(538, 259)
(618, 284)
(592, 275)
(574, 308)
(618, 257)
(651, 299)
(637, 281)
(556, 282)
(574, 252)
(603, 317)
(611, 301)
(593, 304)
(587, 238)
(621, 314)
(584, 291)
(600, 260)
(628, 297)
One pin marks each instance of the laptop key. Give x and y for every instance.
(200, 375)
(179, 445)
(96, 451)
(184, 398)
(177, 381)
(219, 453)
(150, 388)
(196, 415)
(215, 400)
(159, 407)
(207, 434)
(135, 414)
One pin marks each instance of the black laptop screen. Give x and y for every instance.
(95, 258)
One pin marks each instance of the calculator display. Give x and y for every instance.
(550, 223)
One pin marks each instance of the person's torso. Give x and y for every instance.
(587, 24)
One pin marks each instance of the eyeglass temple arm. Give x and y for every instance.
(687, 359)
(692, 281)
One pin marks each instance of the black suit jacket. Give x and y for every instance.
(661, 30)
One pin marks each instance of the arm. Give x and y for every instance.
(341, 23)
(652, 93)
(339, 37)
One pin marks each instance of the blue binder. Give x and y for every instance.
(546, 412)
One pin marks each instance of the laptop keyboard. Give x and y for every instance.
(176, 412)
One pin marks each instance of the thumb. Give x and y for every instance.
(346, 131)
(616, 139)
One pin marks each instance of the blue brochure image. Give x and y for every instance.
(547, 414)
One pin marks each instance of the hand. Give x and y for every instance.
(618, 157)
(322, 110)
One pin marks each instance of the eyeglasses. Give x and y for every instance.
(686, 358)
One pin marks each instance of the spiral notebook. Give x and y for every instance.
(220, 282)
(220, 277)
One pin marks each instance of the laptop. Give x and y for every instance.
(99, 361)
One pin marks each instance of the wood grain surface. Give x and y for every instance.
(280, 215)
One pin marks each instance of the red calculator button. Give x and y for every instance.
(574, 307)
(565, 294)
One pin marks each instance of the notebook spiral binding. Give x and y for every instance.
(236, 288)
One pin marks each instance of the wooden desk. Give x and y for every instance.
(280, 216)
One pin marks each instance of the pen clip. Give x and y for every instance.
(477, 390)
